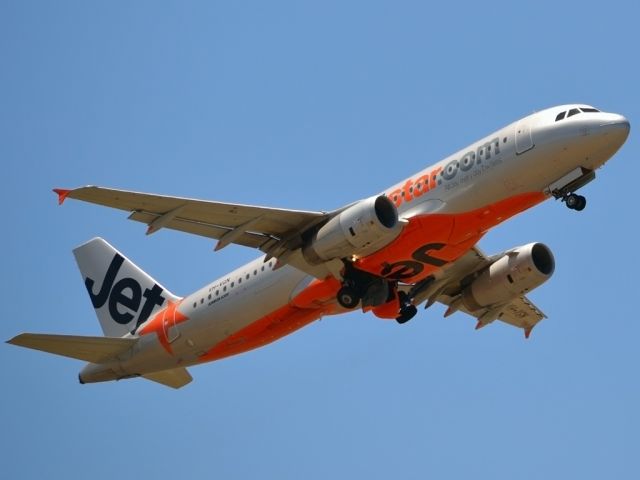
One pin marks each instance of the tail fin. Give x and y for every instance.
(123, 296)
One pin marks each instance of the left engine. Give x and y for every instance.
(360, 229)
(514, 273)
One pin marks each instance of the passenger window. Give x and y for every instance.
(247, 276)
(572, 112)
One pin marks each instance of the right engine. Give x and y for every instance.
(360, 229)
(515, 273)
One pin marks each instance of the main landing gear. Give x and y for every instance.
(348, 297)
(362, 288)
(407, 309)
(575, 202)
(359, 286)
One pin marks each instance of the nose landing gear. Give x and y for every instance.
(575, 202)
(564, 188)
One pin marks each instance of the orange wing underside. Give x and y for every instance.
(431, 241)
(426, 244)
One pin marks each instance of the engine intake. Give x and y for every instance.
(514, 273)
(360, 229)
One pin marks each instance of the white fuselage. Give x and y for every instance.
(525, 157)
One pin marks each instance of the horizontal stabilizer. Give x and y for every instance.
(89, 349)
(174, 378)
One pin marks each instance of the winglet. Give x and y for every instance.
(62, 194)
(527, 332)
(480, 324)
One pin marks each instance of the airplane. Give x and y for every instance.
(414, 243)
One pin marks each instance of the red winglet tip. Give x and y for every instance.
(62, 194)
(527, 332)
(479, 325)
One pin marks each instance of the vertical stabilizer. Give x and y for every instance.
(123, 295)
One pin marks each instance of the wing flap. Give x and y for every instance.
(521, 312)
(89, 349)
(247, 239)
(174, 378)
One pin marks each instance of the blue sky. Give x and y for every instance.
(312, 105)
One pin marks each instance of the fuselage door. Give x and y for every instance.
(169, 324)
(524, 141)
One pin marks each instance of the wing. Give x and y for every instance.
(446, 286)
(272, 230)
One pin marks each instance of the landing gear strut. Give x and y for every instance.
(575, 202)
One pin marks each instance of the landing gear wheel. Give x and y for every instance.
(575, 202)
(406, 314)
(348, 297)
(572, 201)
(407, 309)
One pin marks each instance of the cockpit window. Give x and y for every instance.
(575, 111)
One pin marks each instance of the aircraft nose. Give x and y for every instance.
(615, 121)
(616, 127)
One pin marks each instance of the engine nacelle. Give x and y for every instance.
(360, 229)
(515, 273)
